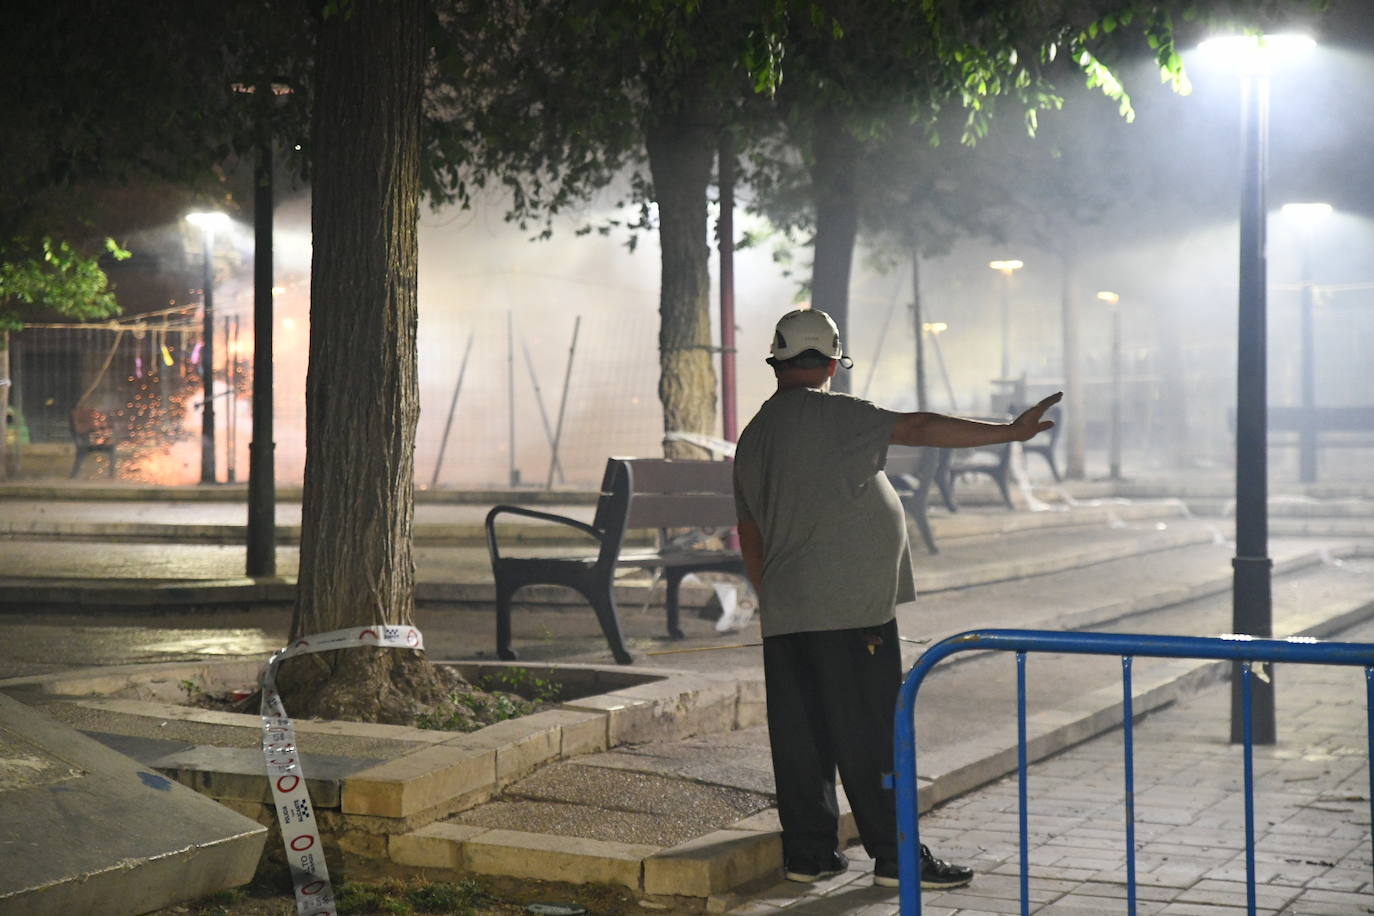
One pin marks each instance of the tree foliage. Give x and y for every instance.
(54, 276)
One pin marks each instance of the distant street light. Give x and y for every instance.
(1006, 269)
(1114, 451)
(1308, 216)
(208, 222)
(935, 329)
(1251, 597)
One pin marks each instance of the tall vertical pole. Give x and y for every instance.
(1252, 607)
(919, 323)
(1307, 442)
(207, 362)
(510, 397)
(1114, 462)
(726, 242)
(262, 473)
(1006, 324)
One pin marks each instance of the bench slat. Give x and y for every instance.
(662, 475)
(681, 510)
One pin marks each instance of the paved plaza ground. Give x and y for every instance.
(75, 572)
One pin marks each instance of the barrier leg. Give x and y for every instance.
(1021, 779)
(1128, 740)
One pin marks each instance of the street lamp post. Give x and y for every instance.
(1251, 596)
(207, 222)
(1114, 450)
(935, 329)
(1307, 215)
(1006, 269)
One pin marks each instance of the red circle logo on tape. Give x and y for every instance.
(314, 887)
(302, 842)
(288, 783)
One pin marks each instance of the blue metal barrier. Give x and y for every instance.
(1244, 649)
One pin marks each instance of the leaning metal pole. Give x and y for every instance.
(1252, 605)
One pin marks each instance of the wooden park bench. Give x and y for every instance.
(91, 433)
(995, 460)
(912, 472)
(636, 493)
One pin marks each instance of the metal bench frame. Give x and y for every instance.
(636, 493)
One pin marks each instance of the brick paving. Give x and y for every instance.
(1312, 815)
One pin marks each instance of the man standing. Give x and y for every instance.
(825, 545)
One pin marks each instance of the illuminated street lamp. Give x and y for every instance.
(1307, 216)
(208, 222)
(935, 329)
(1251, 597)
(1006, 269)
(1114, 452)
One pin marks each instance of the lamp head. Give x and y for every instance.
(1109, 297)
(1006, 267)
(208, 220)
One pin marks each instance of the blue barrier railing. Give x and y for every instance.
(1243, 649)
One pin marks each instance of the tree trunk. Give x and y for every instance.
(362, 400)
(835, 155)
(682, 149)
(4, 404)
(1073, 374)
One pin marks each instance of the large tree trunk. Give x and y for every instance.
(835, 154)
(682, 148)
(362, 400)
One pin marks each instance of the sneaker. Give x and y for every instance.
(808, 872)
(936, 873)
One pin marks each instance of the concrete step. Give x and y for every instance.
(61, 572)
(461, 525)
(84, 829)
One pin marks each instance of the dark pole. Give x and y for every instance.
(1307, 443)
(207, 362)
(1115, 452)
(726, 242)
(262, 483)
(1252, 608)
(1006, 324)
(919, 322)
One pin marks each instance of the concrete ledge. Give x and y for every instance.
(555, 858)
(716, 862)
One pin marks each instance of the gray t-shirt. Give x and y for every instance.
(808, 472)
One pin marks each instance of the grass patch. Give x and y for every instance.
(507, 694)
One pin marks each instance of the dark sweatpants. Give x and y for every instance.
(830, 704)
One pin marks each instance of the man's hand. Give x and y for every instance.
(1030, 424)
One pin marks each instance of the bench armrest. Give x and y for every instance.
(530, 513)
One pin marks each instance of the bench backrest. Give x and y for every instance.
(1350, 419)
(665, 493)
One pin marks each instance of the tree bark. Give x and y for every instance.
(682, 148)
(362, 399)
(835, 157)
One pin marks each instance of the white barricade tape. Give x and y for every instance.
(299, 831)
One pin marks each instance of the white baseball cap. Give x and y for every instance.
(807, 329)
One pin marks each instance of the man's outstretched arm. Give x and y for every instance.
(938, 430)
